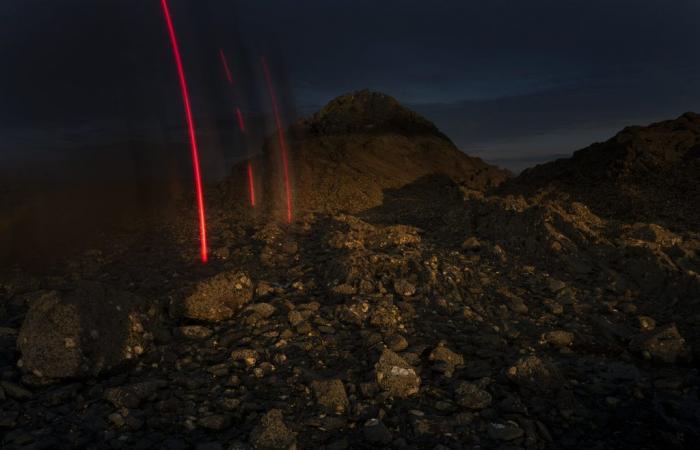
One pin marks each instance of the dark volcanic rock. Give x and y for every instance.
(85, 332)
(215, 299)
(396, 376)
(330, 394)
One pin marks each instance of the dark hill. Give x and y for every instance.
(361, 144)
(647, 174)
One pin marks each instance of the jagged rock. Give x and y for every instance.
(446, 359)
(215, 299)
(665, 345)
(272, 433)
(330, 394)
(395, 375)
(90, 330)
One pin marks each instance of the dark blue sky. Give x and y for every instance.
(513, 82)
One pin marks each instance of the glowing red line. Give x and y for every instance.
(251, 184)
(241, 122)
(191, 129)
(229, 77)
(280, 133)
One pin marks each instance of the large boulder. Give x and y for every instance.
(84, 332)
(215, 299)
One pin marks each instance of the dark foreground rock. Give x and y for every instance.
(88, 331)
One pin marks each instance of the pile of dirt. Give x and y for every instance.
(344, 157)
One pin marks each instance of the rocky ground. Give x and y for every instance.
(444, 318)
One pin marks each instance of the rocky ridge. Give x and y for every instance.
(442, 317)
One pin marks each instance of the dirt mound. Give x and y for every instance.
(642, 174)
(344, 157)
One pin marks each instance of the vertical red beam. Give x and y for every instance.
(251, 184)
(281, 138)
(191, 129)
(227, 69)
(241, 121)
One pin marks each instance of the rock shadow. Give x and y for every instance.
(433, 203)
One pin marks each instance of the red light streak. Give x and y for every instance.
(241, 122)
(251, 184)
(229, 77)
(191, 129)
(282, 140)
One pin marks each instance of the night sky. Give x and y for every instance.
(513, 82)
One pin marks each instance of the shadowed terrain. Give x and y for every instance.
(420, 298)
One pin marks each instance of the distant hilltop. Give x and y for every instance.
(359, 145)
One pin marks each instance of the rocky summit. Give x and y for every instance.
(412, 303)
(348, 156)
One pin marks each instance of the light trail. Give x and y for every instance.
(227, 70)
(281, 138)
(191, 129)
(241, 122)
(251, 184)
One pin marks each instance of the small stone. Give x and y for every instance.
(471, 396)
(132, 395)
(295, 318)
(558, 338)
(646, 323)
(507, 431)
(471, 244)
(447, 359)
(264, 310)
(397, 343)
(246, 355)
(555, 285)
(15, 391)
(195, 332)
(117, 419)
(215, 422)
(404, 287)
(395, 376)
(331, 395)
(263, 289)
